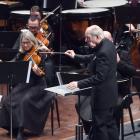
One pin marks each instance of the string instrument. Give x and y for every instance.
(34, 57)
(135, 53)
(44, 22)
(42, 39)
(45, 26)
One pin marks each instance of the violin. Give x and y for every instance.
(44, 25)
(34, 57)
(42, 39)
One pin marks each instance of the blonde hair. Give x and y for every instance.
(26, 34)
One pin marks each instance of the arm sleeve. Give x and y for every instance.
(102, 70)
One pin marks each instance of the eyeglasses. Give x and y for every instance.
(23, 43)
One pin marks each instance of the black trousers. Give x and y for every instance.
(104, 125)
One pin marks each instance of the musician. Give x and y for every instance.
(36, 11)
(124, 36)
(30, 103)
(125, 66)
(125, 71)
(45, 26)
(102, 65)
(34, 27)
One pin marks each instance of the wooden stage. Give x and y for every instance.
(68, 119)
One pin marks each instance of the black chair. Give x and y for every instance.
(126, 102)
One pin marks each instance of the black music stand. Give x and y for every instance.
(8, 38)
(7, 42)
(13, 73)
(64, 78)
(7, 54)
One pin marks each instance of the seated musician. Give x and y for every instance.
(125, 70)
(36, 11)
(30, 103)
(124, 35)
(34, 27)
(45, 26)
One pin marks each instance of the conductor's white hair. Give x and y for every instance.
(95, 30)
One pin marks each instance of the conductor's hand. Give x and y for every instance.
(72, 85)
(70, 53)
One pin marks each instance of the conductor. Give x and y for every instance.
(102, 66)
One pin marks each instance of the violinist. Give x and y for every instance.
(36, 11)
(30, 103)
(34, 27)
(46, 29)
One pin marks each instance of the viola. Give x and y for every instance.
(34, 57)
(135, 53)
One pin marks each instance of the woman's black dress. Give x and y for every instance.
(30, 105)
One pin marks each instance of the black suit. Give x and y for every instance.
(103, 66)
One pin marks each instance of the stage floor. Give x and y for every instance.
(68, 119)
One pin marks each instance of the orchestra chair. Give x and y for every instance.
(54, 107)
(125, 104)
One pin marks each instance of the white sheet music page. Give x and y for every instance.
(62, 90)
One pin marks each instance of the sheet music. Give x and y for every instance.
(29, 72)
(64, 91)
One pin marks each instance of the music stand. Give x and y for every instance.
(64, 78)
(7, 41)
(8, 38)
(7, 54)
(13, 73)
